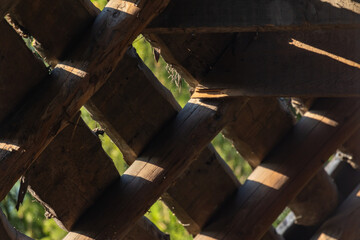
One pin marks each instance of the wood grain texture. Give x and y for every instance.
(262, 123)
(71, 84)
(303, 64)
(14, 55)
(191, 198)
(163, 160)
(345, 222)
(285, 171)
(247, 15)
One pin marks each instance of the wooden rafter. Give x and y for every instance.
(247, 15)
(72, 83)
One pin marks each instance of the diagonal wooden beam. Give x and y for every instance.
(285, 171)
(246, 15)
(70, 85)
(8, 232)
(153, 172)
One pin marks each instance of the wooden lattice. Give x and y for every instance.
(239, 56)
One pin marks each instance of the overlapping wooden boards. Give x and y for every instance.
(246, 15)
(140, 119)
(284, 171)
(72, 84)
(262, 122)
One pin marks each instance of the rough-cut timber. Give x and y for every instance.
(80, 14)
(140, 119)
(164, 160)
(248, 15)
(304, 64)
(285, 170)
(8, 232)
(316, 201)
(345, 222)
(71, 84)
(72, 173)
(14, 55)
(261, 124)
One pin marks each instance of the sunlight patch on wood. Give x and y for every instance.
(307, 47)
(9, 147)
(72, 70)
(322, 119)
(348, 5)
(268, 177)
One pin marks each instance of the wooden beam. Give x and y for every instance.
(191, 198)
(261, 125)
(286, 170)
(72, 173)
(300, 64)
(255, 16)
(163, 160)
(14, 53)
(71, 84)
(345, 222)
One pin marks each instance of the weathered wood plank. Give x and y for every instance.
(286, 170)
(72, 173)
(72, 83)
(304, 64)
(8, 232)
(191, 198)
(345, 222)
(246, 15)
(163, 160)
(14, 55)
(262, 123)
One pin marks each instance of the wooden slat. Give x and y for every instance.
(164, 159)
(345, 222)
(248, 15)
(72, 83)
(191, 198)
(72, 173)
(14, 55)
(261, 125)
(286, 170)
(304, 64)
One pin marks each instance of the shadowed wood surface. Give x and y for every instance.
(247, 15)
(286, 170)
(163, 160)
(345, 222)
(15, 57)
(72, 83)
(191, 198)
(261, 124)
(304, 64)
(6, 5)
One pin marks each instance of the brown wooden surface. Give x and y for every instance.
(345, 222)
(14, 55)
(6, 5)
(262, 123)
(304, 64)
(352, 147)
(163, 160)
(72, 83)
(286, 170)
(191, 198)
(248, 15)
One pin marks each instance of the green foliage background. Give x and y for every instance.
(30, 217)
